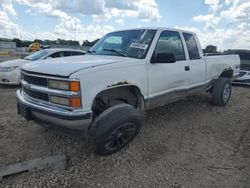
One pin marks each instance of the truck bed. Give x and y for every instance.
(217, 63)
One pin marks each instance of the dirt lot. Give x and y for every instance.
(189, 143)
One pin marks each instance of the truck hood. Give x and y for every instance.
(69, 65)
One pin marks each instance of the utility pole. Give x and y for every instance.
(75, 30)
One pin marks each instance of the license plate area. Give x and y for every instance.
(24, 111)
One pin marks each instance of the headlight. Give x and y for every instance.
(8, 69)
(72, 101)
(60, 100)
(64, 85)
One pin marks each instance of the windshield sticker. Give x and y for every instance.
(138, 45)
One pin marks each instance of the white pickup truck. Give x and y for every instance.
(106, 93)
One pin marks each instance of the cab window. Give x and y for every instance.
(57, 54)
(67, 53)
(193, 50)
(78, 53)
(170, 42)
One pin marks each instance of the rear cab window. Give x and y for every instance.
(192, 46)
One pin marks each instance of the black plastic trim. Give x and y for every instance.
(42, 74)
(81, 117)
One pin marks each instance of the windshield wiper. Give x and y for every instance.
(91, 52)
(116, 51)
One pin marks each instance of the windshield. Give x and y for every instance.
(37, 55)
(130, 43)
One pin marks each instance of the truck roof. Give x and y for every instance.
(160, 28)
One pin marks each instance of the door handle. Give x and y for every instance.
(187, 68)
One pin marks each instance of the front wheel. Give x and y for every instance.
(115, 128)
(221, 91)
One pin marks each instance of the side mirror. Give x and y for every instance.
(163, 58)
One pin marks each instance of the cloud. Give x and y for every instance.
(226, 25)
(43, 6)
(233, 38)
(209, 20)
(226, 28)
(7, 27)
(121, 5)
(73, 28)
(101, 11)
(120, 21)
(239, 10)
(68, 27)
(84, 7)
(8, 7)
(213, 4)
(146, 10)
(27, 11)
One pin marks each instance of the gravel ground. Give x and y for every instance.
(189, 143)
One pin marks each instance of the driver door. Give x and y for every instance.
(167, 81)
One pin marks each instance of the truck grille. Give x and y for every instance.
(36, 94)
(35, 87)
(35, 80)
(38, 81)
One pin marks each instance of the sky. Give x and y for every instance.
(223, 23)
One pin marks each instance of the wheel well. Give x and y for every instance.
(228, 73)
(110, 97)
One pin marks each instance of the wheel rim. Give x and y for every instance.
(121, 136)
(226, 92)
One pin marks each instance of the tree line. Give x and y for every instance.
(210, 49)
(26, 43)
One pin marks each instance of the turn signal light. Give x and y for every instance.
(75, 102)
(74, 86)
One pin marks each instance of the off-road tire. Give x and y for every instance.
(109, 128)
(221, 91)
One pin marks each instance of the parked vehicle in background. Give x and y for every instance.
(45, 46)
(34, 47)
(244, 77)
(106, 93)
(10, 70)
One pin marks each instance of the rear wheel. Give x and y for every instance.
(221, 91)
(114, 128)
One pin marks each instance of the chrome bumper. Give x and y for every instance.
(78, 120)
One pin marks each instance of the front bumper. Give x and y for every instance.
(10, 78)
(50, 116)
